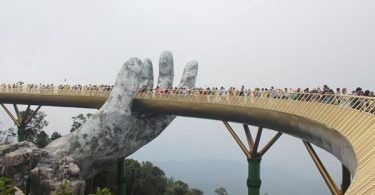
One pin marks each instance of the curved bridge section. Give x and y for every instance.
(342, 125)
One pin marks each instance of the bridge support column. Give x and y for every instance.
(121, 180)
(253, 156)
(21, 133)
(21, 120)
(253, 181)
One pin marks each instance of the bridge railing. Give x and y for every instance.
(55, 91)
(267, 99)
(261, 98)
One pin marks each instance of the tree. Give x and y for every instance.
(195, 191)
(221, 191)
(132, 169)
(36, 124)
(8, 136)
(79, 120)
(42, 139)
(153, 178)
(106, 178)
(170, 187)
(55, 135)
(181, 188)
(141, 179)
(144, 178)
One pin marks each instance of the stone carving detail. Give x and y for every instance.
(111, 134)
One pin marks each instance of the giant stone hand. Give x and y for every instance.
(113, 133)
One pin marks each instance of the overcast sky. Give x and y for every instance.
(262, 43)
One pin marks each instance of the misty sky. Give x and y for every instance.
(262, 43)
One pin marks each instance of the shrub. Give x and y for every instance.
(64, 189)
(6, 186)
(102, 191)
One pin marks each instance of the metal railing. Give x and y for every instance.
(261, 99)
(56, 91)
(264, 99)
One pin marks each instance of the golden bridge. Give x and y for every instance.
(341, 125)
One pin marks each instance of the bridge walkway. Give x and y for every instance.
(342, 125)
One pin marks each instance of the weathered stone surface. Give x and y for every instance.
(147, 75)
(16, 160)
(18, 157)
(112, 133)
(18, 191)
(166, 71)
(189, 77)
(48, 175)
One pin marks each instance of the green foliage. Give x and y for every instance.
(195, 191)
(144, 178)
(106, 178)
(55, 135)
(6, 186)
(42, 139)
(36, 125)
(180, 188)
(102, 191)
(221, 191)
(64, 189)
(79, 120)
(141, 179)
(7, 136)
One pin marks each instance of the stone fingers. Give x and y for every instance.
(147, 76)
(153, 125)
(189, 77)
(125, 88)
(166, 72)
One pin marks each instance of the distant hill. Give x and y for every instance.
(209, 174)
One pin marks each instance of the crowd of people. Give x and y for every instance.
(324, 94)
(44, 87)
(242, 91)
(264, 92)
